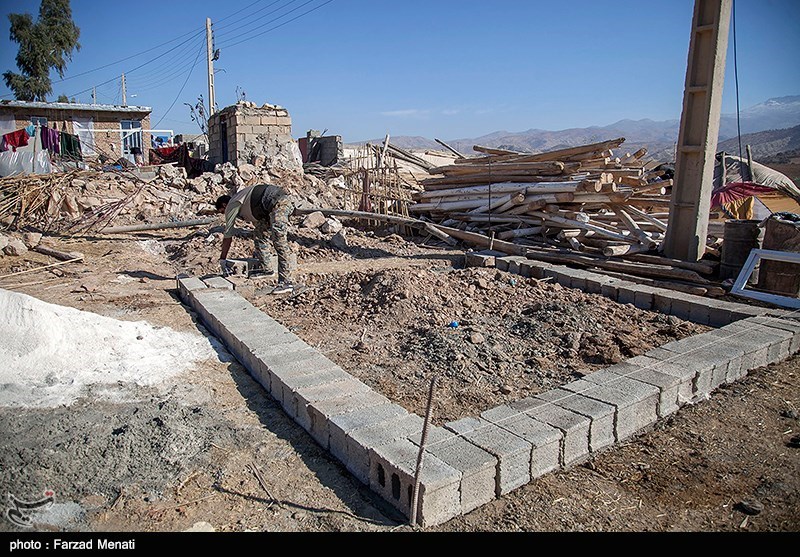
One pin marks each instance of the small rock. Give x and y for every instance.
(750, 506)
(31, 239)
(298, 516)
(314, 220)
(476, 338)
(506, 389)
(339, 240)
(78, 183)
(3, 241)
(482, 283)
(15, 247)
(201, 527)
(673, 321)
(331, 226)
(791, 414)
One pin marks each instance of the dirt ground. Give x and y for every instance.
(212, 450)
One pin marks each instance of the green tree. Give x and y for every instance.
(43, 45)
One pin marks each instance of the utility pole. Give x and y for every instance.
(210, 57)
(690, 203)
(94, 95)
(124, 93)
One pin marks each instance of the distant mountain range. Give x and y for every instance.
(769, 128)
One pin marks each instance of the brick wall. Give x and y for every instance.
(246, 127)
(106, 142)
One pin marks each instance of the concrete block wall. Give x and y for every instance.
(471, 461)
(244, 123)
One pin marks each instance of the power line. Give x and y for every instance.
(229, 45)
(182, 87)
(252, 21)
(122, 59)
(139, 66)
(239, 11)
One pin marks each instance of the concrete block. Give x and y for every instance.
(684, 376)
(186, 284)
(635, 407)
(600, 415)
(341, 425)
(477, 466)
(486, 258)
(392, 475)
(285, 388)
(512, 452)
(611, 288)
(626, 294)
(563, 277)
(533, 269)
(595, 282)
(502, 262)
(514, 263)
(680, 307)
(663, 300)
(700, 312)
(574, 427)
(702, 368)
(786, 324)
(361, 440)
(321, 411)
(218, 282)
(667, 385)
(644, 297)
(545, 440)
(302, 398)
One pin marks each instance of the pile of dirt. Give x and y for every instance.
(489, 337)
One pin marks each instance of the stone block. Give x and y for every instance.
(392, 475)
(600, 414)
(573, 427)
(636, 408)
(360, 441)
(320, 412)
(545, 440)
(477, 466)
(512, 452)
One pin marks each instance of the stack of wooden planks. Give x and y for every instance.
(580, 197)
(582, 206)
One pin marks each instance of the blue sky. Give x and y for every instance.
(441, 68)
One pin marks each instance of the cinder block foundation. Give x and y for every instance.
(469, 462)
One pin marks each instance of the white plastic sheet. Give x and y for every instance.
(21, 162)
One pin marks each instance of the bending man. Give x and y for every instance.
(268, 207)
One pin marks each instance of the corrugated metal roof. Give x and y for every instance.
(75, 106)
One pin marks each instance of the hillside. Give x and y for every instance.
(766, 127)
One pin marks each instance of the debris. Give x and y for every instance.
(749, 506)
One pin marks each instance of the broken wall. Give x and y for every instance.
(248, 134)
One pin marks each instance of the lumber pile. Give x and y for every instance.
(579, 197)
(584, 206)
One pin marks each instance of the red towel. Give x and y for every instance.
(16, 139)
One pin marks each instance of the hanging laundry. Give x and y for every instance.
(31, 130)
(70, 146)
(16, 139)
(51, 139)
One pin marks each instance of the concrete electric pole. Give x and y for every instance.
(124, 92)
(210, 57)
(697, 141)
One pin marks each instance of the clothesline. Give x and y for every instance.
(55, 141)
